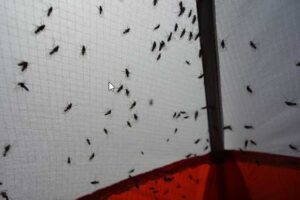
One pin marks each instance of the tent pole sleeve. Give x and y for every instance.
(210, 60)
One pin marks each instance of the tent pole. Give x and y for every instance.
(210, 60)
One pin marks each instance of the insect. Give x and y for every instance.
(161, 45)
(188, 155)
(156, 27)
(246, 143)
(190, 13)
(127, 73)
(131, 171)
(249, 89)
(223, 44)
(197, 141)
(120, 89)
(69, 160)
(298, 64)
(204, 107)
(178, 115)
(248, 127)
(88, 141)
(129, 124)
(194, 19)
(158, 57)
(126, 31)
(151, 102)
(174, 115)
(168, 140)
(175, 27)
(197, 36)
(92, 156)
(181, 10)
(49, 11)
(68, 107)
(4, 195)
(6, 150)
(293, 147)
(168, 179)
(100, 10)
(200, 53)
(142, 152)
(127, 92)
(54, 50)
(132, 105)
(175, 130)
(190, 35)
(253, 142)
(153, 46)
(83, 49)
(196, 114)
(187, 62)
(186, 117)
(169, 37)
(108, 113)
(182, 112)
(182, 33)
(39, 28)
(228, 127)
(22, 85)
(253, 45)
(94, 182)
(155, 2)
(206, 147)
(290, 103)
(24, 65)
(135, 116)
(105, 131)
(200, 76)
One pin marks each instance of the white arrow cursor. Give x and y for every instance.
(111, 87)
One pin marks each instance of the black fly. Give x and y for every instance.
(197, 141)
(127, 73)
(200, 76)
(190, 13)
(290, 103)
(253, 142)
(196, 114)
(170, 37)
(174, 115)
(100, 10)
(190, 35)
(186, 117)
(175, 27)
(127, 92)
(120, 89)
(200, 53)
(158, 57)
(49, 11)
(161, 45)
(22, 85)
(68, 107)
(253, 45)
(187, 62)
(69, 160)
(197, 36)
(175, 130)
(156, 27)
(83, 49)
(24, 65)
(39, 28)
(182, 33)
(293, 147)
(54, 50)
(131, 171)
(129, 124)
(223, 44)
(105, 131)
(228, 127)
(248, 127)
(155, 2)
(135, 116)
(194, 19)
(108, 113)
(6, 150)
(88, 141)
(126, 31)
(298, 64)
(132, 105)
(92, 156)
(94, 182)
(153, 46)
(249, 89)
(246, 144)
(4, 195)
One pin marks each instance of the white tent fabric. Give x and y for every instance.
(42, 136)
(270, 71)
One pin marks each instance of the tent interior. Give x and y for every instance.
(149, 99)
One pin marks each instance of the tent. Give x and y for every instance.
(160, 99)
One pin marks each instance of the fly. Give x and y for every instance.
(194, 19)
(197, 141)
(135, 116)
(156, 27)
(129, 124)
(127, 73)
(200, 76)
(197, 36)
(175, 130)
(24, 65)
(88, 141)
(127, 92)
(293, 147)
(132, 105)
(190, 35)
(120, 88)
(151, 102)
(161, 45)
(49, 11)
(170, 37)
(69, 160)
(253, 45)
(228, 127)
(131, 171)
(39, 28)
(6, 150)
(54, 50)
(290, 103)
(196, 114)
(92, 156)
(94, 182)
(253, 142)
(108, 113)
(190, 13)
(105, 131)
(126, 31)
(158, 57)
(248, 127)
(182, 33)
(246, 143)
(68, 107)
(187, 62)
(22, 85)
(175, 27)
(100, 9)
(223, 44)
(174, 115)
(83, 49)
